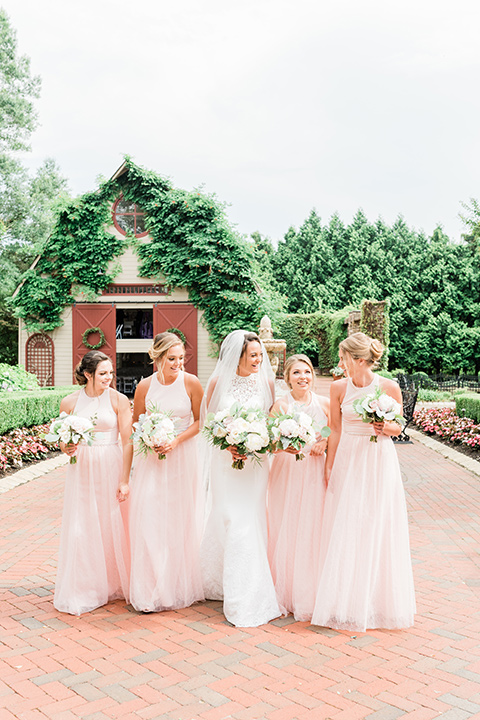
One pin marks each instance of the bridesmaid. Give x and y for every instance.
(296, 494)
(365, 578)
(165, 512)
(93, 555)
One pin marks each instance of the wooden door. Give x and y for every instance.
(182, 316)
(87, 316)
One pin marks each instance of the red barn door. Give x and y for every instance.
(167, 316)
(88, 316)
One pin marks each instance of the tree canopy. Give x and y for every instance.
(433, 283)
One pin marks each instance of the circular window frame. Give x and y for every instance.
(134, 214)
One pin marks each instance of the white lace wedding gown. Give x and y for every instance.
(234, 549)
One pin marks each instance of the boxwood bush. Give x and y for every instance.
(468, 405)
(27, 408)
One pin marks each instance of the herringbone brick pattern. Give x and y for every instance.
(116, 663)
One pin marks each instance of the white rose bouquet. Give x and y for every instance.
(243, 428)
(377, 407)
(294, 429)
(154, 429)
(71, 430)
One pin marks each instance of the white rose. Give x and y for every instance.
(254, 442)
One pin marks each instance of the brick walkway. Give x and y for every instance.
(116, 663)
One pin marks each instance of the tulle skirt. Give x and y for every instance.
(296, 494)
(165, 525)
(93, 554)
(365, 573)
(234, 549)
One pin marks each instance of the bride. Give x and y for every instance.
(234, 549)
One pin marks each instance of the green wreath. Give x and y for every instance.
(178, 332)
(90, 331)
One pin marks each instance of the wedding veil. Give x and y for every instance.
(219, 382)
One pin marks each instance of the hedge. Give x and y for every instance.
(468, 405)
(30, 407)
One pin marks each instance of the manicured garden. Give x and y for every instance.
(445, 425)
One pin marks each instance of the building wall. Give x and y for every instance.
(62, 336)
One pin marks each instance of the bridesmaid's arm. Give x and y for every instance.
(389, 427)
(337, 393)
(139, 398)
(125, 429)
(68, 405)
(321, 444)
(195, 392)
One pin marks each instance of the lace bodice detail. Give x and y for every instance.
(246, 391)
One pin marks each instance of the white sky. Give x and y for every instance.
(276, 106)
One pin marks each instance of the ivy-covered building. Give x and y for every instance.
(132, 259)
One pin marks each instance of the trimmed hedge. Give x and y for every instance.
(468, 405)
(30, 407)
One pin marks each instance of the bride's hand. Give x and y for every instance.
(235, 454)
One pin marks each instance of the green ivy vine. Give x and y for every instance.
(192, 245)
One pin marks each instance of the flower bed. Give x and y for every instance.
(448, 427)
(24, 445)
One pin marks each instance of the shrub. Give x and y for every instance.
(468, 405)
(35, 407)
(427, 395)
(15, 377)
(385, 374)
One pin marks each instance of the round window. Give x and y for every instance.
(129, 218)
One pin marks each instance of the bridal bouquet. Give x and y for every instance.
(154, 430)
(295, 429)
(245, 429)
(71, 430)
(377, 407)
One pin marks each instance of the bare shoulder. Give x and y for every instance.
(390, 387)
(324, 402)
(68, 403)
(119, 400)
(192, 382)
(280, 406)
(338, 389)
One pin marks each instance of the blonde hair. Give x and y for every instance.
(362, 347)
(290, 362)
(160, 346)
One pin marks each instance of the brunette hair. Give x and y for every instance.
(89, 364)
(161, 345)
(290, 362)
(249, 337)
(362, 347)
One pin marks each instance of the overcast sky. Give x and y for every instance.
(277, 107)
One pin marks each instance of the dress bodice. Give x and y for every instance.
(244, 390)
(100, 410)
(352, 423)
(171, 398)
(313, 408)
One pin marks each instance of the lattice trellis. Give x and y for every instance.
(39, 354)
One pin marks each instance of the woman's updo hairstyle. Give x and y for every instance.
(89, 364)
(160, 346)
(362, 347)
(290, 362)
(249, 337)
